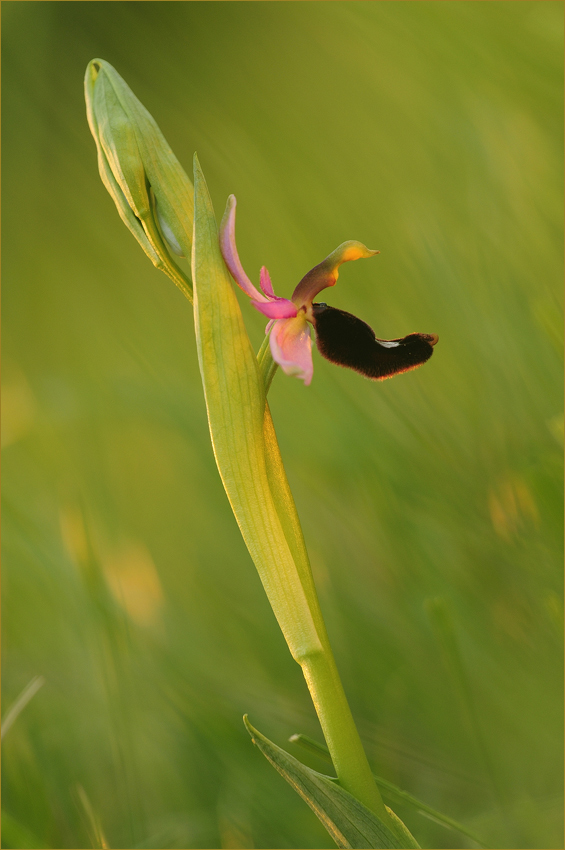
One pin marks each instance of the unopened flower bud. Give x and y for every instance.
(168, 233)
(152, 193)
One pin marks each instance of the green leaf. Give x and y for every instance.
(392, 791)
(348, 821)
(235, 402)
(282, 496)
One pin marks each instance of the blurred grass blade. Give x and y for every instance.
(16, 835)
(16, 709)
(441, 621)
(235, 402)
(348, 821)
(152, 193)
(443, 625)
(97, 837)
(392, 791)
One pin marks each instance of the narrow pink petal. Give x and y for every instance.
(266, 284)
(291, 347)
(269, 326)
(229, 251)
(282, 308)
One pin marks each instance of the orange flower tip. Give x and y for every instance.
(326, 273)
(351, 250)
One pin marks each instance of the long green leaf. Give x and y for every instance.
(392, 791)
(282, 496)
(235, 402)
(348, 821)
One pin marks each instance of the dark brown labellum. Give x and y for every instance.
(346, 340)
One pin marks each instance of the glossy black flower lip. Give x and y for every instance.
(347, 341)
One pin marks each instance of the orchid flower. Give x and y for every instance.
(340, 337)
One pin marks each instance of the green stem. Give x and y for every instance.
(267, 366)
(319, 669)
(340, 732)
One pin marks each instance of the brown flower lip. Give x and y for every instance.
(347, 341)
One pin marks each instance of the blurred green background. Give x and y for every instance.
(429, 130)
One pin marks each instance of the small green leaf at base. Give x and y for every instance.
(393, 792)
(348, 821)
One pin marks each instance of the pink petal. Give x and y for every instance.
(326, 273)
(291, 347)
(266, 284)
(229, 251)
(282, 308)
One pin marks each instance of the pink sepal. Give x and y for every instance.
(282, 308)
(266, 284)
(229, 252)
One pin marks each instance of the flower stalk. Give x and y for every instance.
(250, 465)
